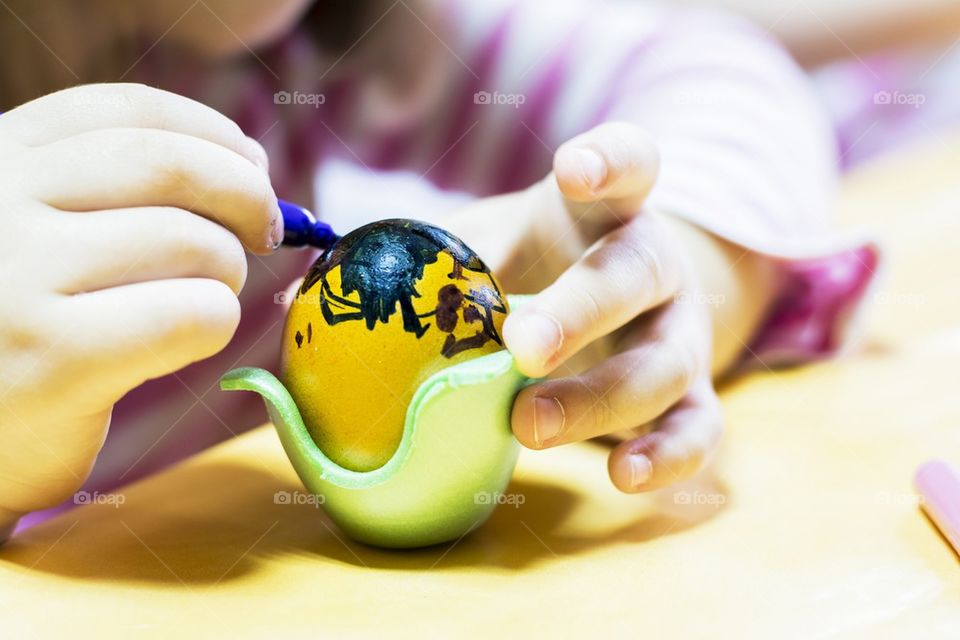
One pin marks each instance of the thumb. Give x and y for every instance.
(606, 173)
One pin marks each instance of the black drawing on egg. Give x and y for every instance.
(382, 263)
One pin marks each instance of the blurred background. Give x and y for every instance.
(889, 70)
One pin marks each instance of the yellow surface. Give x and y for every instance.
(806, 527)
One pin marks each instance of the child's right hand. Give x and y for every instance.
(124, 214)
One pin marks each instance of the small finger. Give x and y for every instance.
(631, 388)
(617, 162)
(126, 335)
(91, 107)
(678, 447)
(629, 271)
(127, 168)
(126, 246)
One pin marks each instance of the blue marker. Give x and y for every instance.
(302, 229)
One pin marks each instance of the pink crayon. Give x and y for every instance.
(939, 484)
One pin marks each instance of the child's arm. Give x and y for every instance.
(746, 159)
(125, 214)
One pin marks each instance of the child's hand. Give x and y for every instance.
(124, 212)
(616, 276)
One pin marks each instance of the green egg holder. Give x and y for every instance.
(455, 457)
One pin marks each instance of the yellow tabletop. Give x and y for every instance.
(806, 526)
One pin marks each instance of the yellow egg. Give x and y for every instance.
(387, 306)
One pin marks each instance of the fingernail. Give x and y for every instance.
(593, 167)
(548, 419)
(535, 336)
(276, 232)
(640, 469)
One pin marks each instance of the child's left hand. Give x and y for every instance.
(610, 270)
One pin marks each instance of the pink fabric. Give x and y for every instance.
(817, 300)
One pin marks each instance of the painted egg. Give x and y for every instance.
(389, 305)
